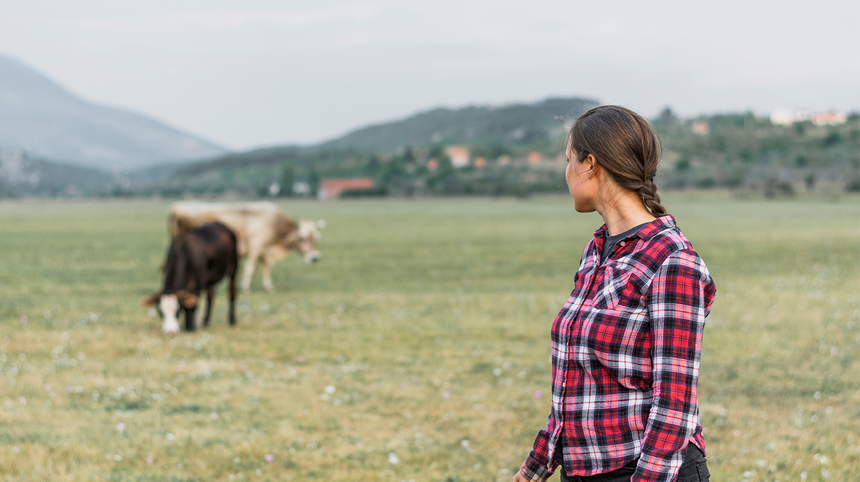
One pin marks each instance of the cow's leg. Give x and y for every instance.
(189, 318)
(266, 267)
(209, 295)
(253, 257)
(232, 299)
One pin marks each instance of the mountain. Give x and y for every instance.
(488, 126)
(40, 117)
(22, 174)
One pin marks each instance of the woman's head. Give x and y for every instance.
(624, 145)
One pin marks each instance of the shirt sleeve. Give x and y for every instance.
(679, 299)
(538, 467)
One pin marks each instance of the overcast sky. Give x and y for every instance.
(252, 73)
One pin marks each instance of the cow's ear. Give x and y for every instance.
(321, 224)
(152, 300)
(187, 299)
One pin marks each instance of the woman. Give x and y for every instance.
(626, 345)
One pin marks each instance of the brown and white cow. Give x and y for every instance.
(264, 233)
(196, 261)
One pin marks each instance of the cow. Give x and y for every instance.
(264, 233)
(196, 260)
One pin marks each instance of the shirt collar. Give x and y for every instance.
(647, 232)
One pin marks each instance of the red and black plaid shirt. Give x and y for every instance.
(625, 355)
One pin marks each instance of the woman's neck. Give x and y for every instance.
(623, 211)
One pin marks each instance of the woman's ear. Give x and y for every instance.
(592, 164)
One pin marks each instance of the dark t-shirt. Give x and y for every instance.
(610, 241)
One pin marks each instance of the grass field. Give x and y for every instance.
(417, 349)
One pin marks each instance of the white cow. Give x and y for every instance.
(263, 232)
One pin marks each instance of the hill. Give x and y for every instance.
(519, 149)
(741, 151)
(396, 151)
(24, 175)
(39, 116)
(735, 151)
(507, 125)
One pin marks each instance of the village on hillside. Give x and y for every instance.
(787, 153)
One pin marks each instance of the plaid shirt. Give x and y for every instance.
(625, 356)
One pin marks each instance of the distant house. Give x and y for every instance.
(433, 164)
(701, 127)
(480, 162)
(829, 118)
(504, 159)
(534, 157)
(331, 188)
(459, 155)
(301, 188)
(274, 188)
(788, 117)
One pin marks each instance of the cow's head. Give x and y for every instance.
(168, 306)
(305, 239)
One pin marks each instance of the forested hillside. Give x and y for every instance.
(735, 151)
(742, 151)
(516, 150)
(490, 127)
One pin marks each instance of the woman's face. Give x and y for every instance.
(581, 182)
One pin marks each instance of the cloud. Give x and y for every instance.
(268, 71)
(227, 20)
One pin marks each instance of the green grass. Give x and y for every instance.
(430, 321)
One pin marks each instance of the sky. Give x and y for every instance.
(258, 73)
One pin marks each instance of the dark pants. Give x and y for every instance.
(693, 469)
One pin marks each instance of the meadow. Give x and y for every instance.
(417, 349)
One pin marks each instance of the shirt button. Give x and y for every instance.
(622, 243)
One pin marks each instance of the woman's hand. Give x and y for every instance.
(518, 477)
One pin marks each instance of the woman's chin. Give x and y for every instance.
(582, 209)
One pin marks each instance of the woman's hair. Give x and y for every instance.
(625, 145)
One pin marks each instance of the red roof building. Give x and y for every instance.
(701, 127)
(331, 188)
(459, 155)
(829, 118)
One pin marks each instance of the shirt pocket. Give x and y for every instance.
(614, 289)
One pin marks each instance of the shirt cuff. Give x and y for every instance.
(535, 471)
